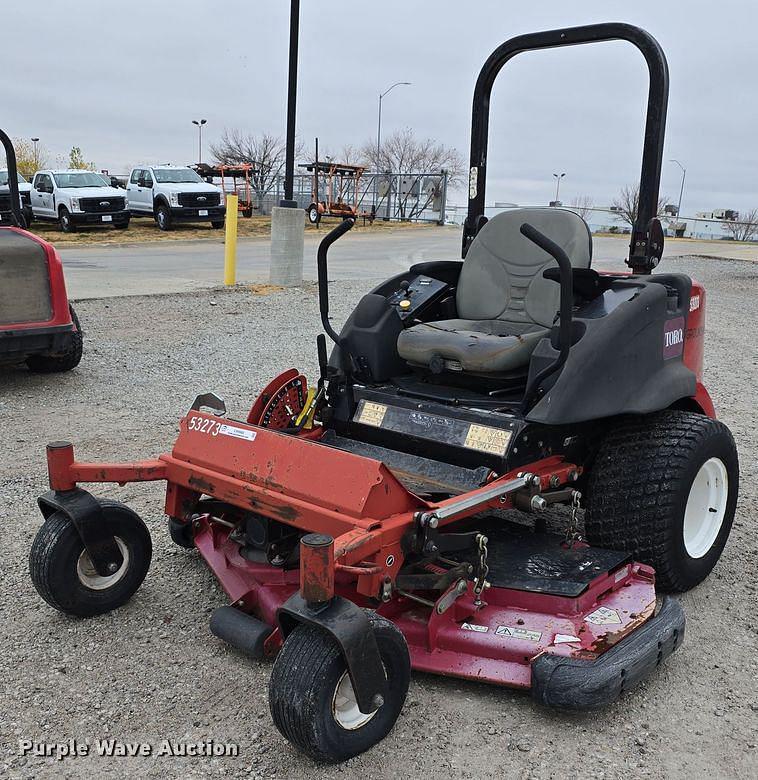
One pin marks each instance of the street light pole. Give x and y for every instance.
(289, 157)
(558, 177)
(35, 141)
(681, 189)
(199, 123)
(379, 132)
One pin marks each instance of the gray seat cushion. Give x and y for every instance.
(504, 303)
(479, 346)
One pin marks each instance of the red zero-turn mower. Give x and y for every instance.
(352, 523)
(38, 325)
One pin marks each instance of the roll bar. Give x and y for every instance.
(646, 244)
(10, 156)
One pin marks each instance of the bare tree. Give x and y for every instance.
(403, 152)
(266, 153)
(583, 206)
(627, 203)
(744, 227)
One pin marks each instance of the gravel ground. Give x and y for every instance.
(152, 671)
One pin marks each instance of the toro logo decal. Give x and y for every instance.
(673, 338)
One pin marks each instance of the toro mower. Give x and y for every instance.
(355, 524)
(38, 325)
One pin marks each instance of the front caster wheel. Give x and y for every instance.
(181, 533)
(64, 575)
(312, 699)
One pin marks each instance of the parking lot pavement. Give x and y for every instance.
(152, 671)
(138, 269)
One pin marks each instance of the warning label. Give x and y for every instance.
(519, 633)
(603, 616)
(474, 627)
(486, 439)
(371, 413)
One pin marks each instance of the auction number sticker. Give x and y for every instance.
(216, 428)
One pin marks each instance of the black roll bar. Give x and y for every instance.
(323, 275)
(10, 157)
(646, 241)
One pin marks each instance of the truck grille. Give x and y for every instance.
(96, 205)
(24, 280)
(199, 200)
(5, 201)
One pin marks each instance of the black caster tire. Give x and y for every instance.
(62, 571)
(64, 219)
(312, 701)
(163, 217)
(52, 364)
(664, 489)
(181, 533)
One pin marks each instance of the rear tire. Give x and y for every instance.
(64, 219)
(312, 701)
(313, 214)
(50, 364)
(163, 217)
(664, 488)
(62, 571)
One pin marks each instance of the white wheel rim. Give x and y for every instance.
(89, 576)
(706, 507)
(345, 706)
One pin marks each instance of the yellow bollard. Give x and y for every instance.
(230, 241)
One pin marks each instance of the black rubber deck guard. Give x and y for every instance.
(576, 684)
(240, 630)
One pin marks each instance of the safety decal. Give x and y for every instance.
(519, 633)
(603, 616)
(474, 627)
(694, 303)
(562, 639)
(486, 439)
(371, 414)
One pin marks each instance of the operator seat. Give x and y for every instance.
(504, 304)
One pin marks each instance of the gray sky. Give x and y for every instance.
(123, 81)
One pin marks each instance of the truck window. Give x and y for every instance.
(135, 176)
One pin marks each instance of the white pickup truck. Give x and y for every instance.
(76, 197)
(24, 191)
(173, 193)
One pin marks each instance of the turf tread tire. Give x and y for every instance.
(306, 671)
(638, 489)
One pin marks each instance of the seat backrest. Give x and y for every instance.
(501, 278)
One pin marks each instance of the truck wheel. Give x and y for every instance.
(312, 700)
(122, 225)
(62, 571)
(313, 216)
(163, 217)
(51, 364)
(664, 489)
(64, 217)
(217, 225)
